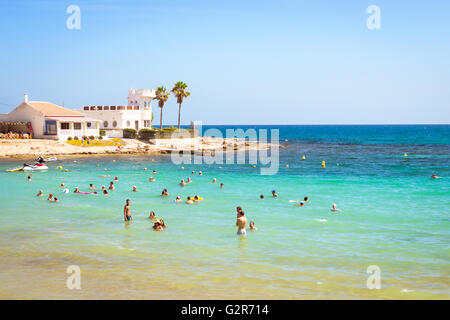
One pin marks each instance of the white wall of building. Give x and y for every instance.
(26, 113)
(114, 121)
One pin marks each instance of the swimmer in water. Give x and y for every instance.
(127, 211)
(116, 179)
(157, 226)
(40, 193)
(274, 194)
(164, 193)
(151, 179)
(178, 199)
(154, 171)
(56, 199)
(196, 198)
(182, 183)
(221, 185)
(434, 176)
(252, 226)
(29, 178)
(135, 189)
(50, 197)
(76, 190)
(105, 176)
(152, 215)
(334, 207)
(261, 196)
(162, 223)
(103, 188)
(111, 186)
(189, 200)
(300, 204)
(214, 180)
(193, 172)
(91, 186)
(189, 180)
(241, 221)
(62, 185)
(105, 193)
(305, 199)
(238, 210)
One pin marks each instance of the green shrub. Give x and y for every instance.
(147, 133)
(129, 133)
(84, 138)
(75, 138)
(69, 138)
(91, 137)
(100, 138)
(102, 133)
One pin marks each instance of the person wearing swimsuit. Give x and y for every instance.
(127, 212)
(241, 222)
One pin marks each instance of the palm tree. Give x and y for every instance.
(162, 96)
(179, 90)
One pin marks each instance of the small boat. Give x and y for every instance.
(34, 167)
(39, 164)
(49, 159)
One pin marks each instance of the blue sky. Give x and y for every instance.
(245, 62)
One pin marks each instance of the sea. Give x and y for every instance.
(389, 240)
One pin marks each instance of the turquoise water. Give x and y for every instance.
(393, 215)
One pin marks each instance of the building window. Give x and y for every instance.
(77, 125)
(114, 124)
(88, 124)
(106, 108)
(85, 108)
(105, 124)
(147, 123)
(50, 127)
(65, 126)
(113, 107)
(128, 123)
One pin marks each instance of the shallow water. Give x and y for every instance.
(393, 216)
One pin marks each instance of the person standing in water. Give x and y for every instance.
(241, 221)
(127, 212)
(252, 226)
(334, 207)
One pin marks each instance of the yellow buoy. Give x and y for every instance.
(323, 164)
(405, 154)
(253, 166)
(59, 167)
(145, 169)
(303, 158)
(287, 166)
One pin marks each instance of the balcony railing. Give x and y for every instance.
(112, 108)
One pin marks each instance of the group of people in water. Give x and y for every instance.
(159, 224)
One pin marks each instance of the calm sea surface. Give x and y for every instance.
(393, 215)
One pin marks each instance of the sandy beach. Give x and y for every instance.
(199, 145)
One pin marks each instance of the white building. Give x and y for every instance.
(50, 121)
(136, 115)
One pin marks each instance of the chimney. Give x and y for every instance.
(25, 97)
